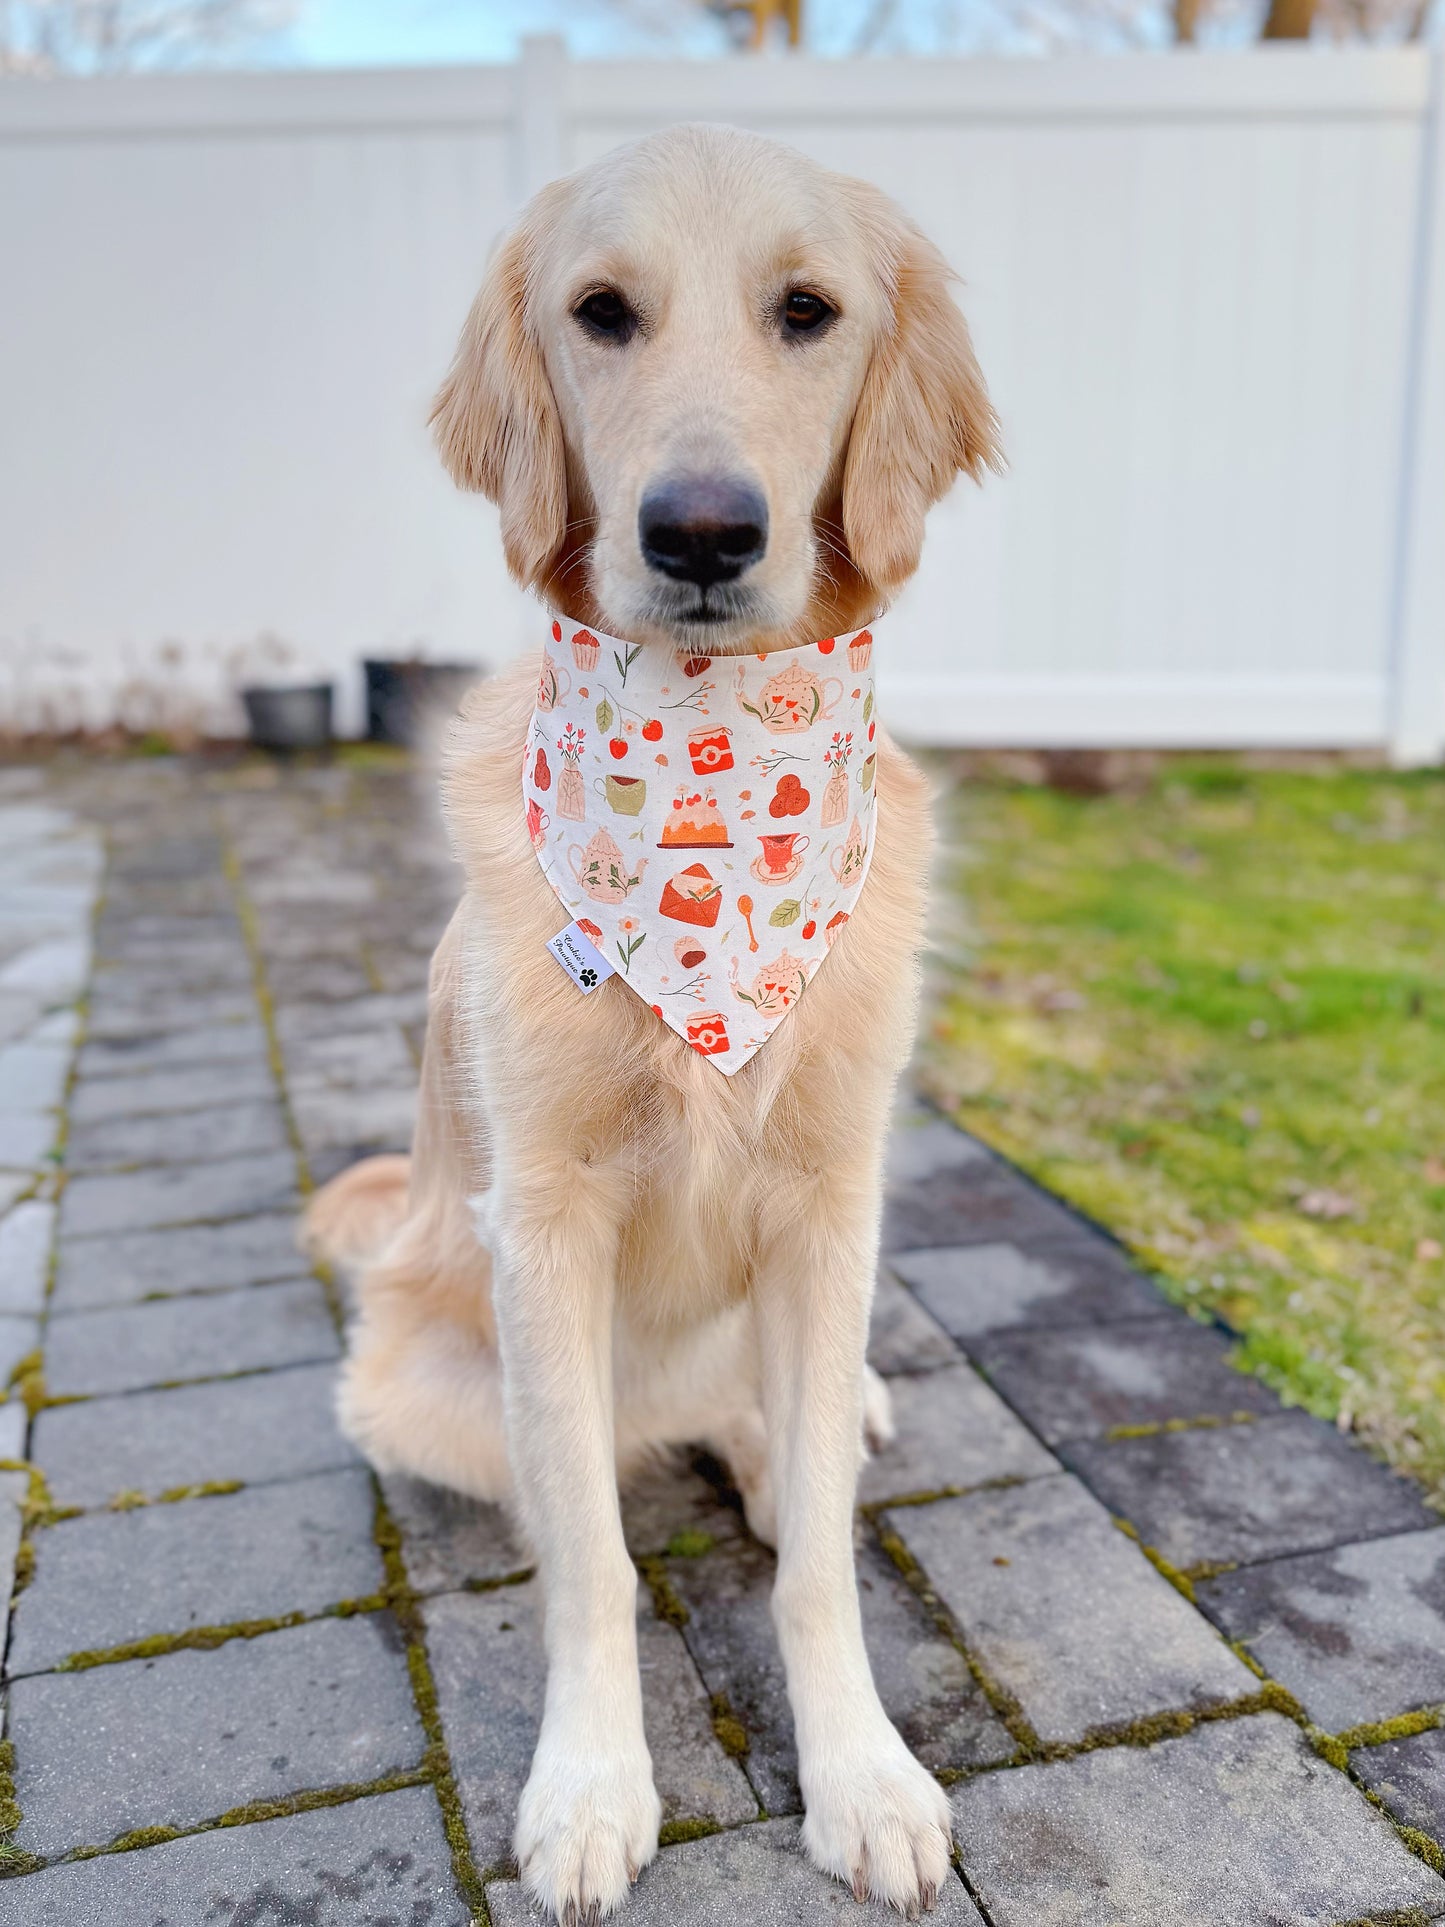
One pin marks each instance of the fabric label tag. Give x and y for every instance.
(584, 964)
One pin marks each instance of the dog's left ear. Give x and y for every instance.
(495, 417)
(923, 415)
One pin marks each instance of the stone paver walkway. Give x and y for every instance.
(1179, 1655)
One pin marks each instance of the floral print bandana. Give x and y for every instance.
(708, 821)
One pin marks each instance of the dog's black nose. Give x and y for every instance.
(703, 529)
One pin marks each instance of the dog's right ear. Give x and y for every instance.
(495, 417)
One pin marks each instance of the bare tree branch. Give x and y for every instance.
(116, 36)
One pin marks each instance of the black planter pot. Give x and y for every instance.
(400, 696)
(294, 716)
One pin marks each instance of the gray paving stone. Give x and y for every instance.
(921, 1144)
(1081, 1382)
(177, 1194)
(20, 1012)
(25, 1236)
(1409, 1776)
(756, 1874)
(123, 933)
(179, 1137)
(379, 1012)
(13, 1185)
(124, 1098)
(1357, 1634)
(14, 1489)
(973, 1289)
(183, 1738)
(953, 1432)
(348, 1060)
(977, 1203)
(448, 1540)
(14, 1421)
(169, 1050)
(92, 1272)
(902, 1336)
(678, 1499)
(1239, 1822)
(19, 1336)
(116, 1018)
(56, 968)
(32, 1076)
(276, 1425)
(302, 979)
(211, 1336)
(372, 1862)
(490, 1672)
(146, 973)
(27, 1138)
(111, 1578)
(922, 1678)
(1064, 1611)
(1239, 1493)
(372, 1118)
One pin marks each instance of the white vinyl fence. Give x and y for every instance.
(1208, 291)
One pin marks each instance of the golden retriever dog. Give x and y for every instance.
(600, 1245)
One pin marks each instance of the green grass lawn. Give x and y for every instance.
(1212, 1014)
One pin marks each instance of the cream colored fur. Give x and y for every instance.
(602, 1244)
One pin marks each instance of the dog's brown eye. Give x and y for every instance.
(606, 313)
(802, 312)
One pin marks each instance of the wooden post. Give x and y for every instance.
(1417, 693)
(539, 131)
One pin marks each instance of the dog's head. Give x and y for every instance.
(714, 390)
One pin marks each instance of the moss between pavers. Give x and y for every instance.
(1271, 1697)
(676, 1832)
(1004, 1703)
(10, 1814)
(1411, 1917)
(397, 1592)
(689, 1545)
(131, 1500)
(728, 1730)
(27, 1377)
(1422, 1846)
(307, 1801)
(1404, 1727)
(1209, 1422)
(665, 1601)
(206, 1639)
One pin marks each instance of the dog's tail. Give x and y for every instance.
(351, 1220)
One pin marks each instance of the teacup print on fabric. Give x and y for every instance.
(707, 822)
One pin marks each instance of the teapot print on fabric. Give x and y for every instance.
(790, 701)
(848, 860)
(601, 869)
(554, 685)
(776, 988)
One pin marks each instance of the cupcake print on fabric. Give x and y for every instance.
(708, 821)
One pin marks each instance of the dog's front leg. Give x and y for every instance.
(589, 1815)
(875, 1818)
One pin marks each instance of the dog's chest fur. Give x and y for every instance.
(699, 1165)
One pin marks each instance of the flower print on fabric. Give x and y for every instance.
(708, 821)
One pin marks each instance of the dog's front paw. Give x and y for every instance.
(880, 1824)
(586, 1827)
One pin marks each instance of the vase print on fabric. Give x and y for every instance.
(708, 821)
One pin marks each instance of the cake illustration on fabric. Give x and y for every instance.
(694, 823)
(708, 820)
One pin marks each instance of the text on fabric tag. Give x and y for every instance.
(579, 957)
